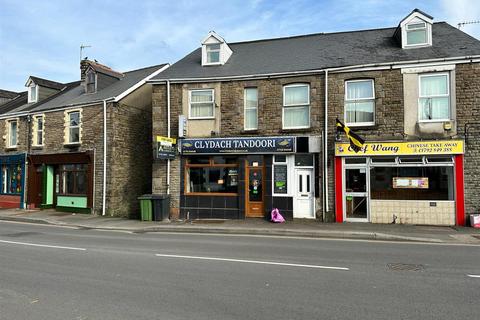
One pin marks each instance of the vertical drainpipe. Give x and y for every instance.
(325, 145)
(168, 134)
(104, 191)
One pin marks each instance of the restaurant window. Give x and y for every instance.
(73, 179)
(211, 175)
(412, 183)
(11, 179)
(280, 175)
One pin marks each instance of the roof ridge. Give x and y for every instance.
(316, 34)
(143, 68)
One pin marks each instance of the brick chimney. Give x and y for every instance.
(84, 63)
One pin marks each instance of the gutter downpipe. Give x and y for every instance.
(168, 134)
(325, 147)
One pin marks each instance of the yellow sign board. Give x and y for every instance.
(166, 141)
(402, 148)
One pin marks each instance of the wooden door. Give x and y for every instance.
(35, 187)
(254, 191)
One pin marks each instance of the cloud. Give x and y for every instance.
(43, 37)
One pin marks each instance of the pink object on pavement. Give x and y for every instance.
(475, 220)
(276, 216)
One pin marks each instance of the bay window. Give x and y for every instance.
(359, 102)
(202, 104)
(434, 97)
(296, 106)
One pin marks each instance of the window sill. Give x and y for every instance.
(38, 147)
(72, 145)
(363, 126)
(14, 148)
(249, 131)
(296, 130)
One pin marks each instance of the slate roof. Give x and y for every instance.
(323, 50)
(77, 96)
(47, 83)
(73, 93)
(8, 94)
(20, 100)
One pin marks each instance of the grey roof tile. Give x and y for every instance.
(319, 51)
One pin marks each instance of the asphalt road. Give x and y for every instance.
(62, 273)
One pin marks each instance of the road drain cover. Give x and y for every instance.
(405, 267)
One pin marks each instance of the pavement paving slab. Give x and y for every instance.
(297, 228)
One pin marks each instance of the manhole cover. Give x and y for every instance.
(405, 267)
(21, 234)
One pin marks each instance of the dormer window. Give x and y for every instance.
(213, 53)
(416, 33)
(91, 83)
(32, 93)
(415, 30)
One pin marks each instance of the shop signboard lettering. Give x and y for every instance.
(166, 148)
(238, 145)
(402, 148)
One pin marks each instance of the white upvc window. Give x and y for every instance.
(32, 93)
(12, 133)
(251, 109)
(202, 104)
(434, 97)
(38, 130)
(213, 53)
(74, 127)
(416, 34)
(359, 102)
(296, 106)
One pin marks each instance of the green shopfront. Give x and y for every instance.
(242, 177)
(61, 181)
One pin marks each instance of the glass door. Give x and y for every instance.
(356, 194)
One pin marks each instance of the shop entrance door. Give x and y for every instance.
(303, 197)
(356, 194)
(254, 191)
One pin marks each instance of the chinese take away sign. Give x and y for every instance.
(445, 147)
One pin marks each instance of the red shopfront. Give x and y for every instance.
(415, 182)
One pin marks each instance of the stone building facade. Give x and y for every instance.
(414, 102)
(54, 158)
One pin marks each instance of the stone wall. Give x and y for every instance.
(270, 102)
(468, 127)
(389, 123)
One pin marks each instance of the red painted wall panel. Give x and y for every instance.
(338, 190)
(459, 190)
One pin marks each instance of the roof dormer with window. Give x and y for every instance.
(215, 51)
(415, 30)
(40, 89)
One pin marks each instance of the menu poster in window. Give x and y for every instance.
(280, 179)
(410, 183)
(233, 177)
